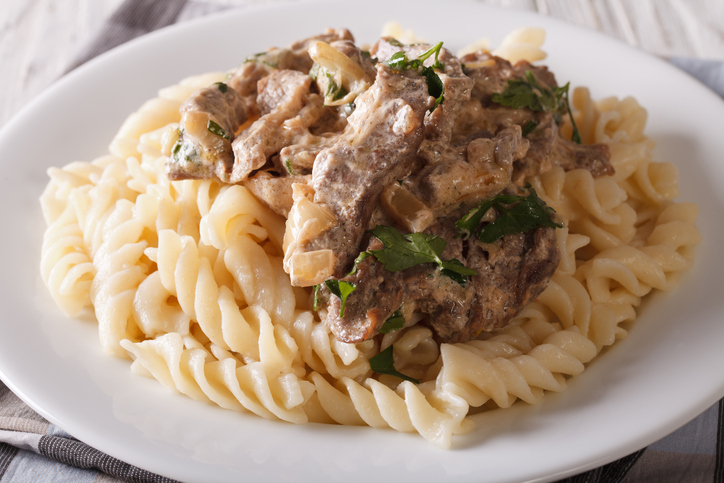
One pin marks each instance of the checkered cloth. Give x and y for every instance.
(32, 449)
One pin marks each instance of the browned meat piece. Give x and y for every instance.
(274, 191)
(299, 158)
(209, 119)
(511, 273)
(478, 171)
(548, 149)
(592, 157)
(378, 294)
(288, 110)
(540, 156)
(378, 146)
(490, 73)
(540, 72)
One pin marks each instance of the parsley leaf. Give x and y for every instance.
(384, 363)
(222, 87)
(334, 91)
(394, 322)
(217, 130)
(342, 290)
(435, 87)
(405, 251)
(315, 305)
(357, 261)
(288, 165)
(529, 127)
(528, 92)
(527, 212)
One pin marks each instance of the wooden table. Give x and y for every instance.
(39, 38)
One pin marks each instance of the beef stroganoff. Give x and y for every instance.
(391, 237)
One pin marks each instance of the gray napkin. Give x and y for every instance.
(32, 449)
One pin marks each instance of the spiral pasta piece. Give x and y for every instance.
(198, 374)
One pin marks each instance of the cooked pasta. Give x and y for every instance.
(187, 277)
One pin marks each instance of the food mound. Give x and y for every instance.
(386, 237)
(358, 148)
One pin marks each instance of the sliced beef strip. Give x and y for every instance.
(512, 272)
(299, 158)
(592, 157)
(469, 174)
(289, 109)
(378, 146)
(548, 148)
(378, 294)
(490, 73)
(275, 192)
(202, 151)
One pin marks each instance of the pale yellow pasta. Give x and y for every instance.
(188, 278)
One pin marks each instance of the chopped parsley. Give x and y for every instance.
(217, 130)
(334, 92)
(288, 164)
(342, 290)
(394, 322)
(405, 251)
(528, 92)
(384, 363)
(527, 212)
(222, 87)
(315, 305)
(529, 127)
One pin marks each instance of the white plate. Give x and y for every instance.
(667, 371)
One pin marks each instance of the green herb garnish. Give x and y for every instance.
(357, 261)
(288, 164)
(217, 130)
(222, 87)
(384, 363)
(334, 92)
(435, 87)
(405, 251)
(528, 92)
(315, 305)
(529, 127)
(394, 322)
(342, 290)
(528, 212)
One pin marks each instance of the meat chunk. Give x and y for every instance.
(490, 73)
(592, 157)
(209, 119)
(470, 174)
(511, 273)
(275, 192)
(288, 110)
(379, 145)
